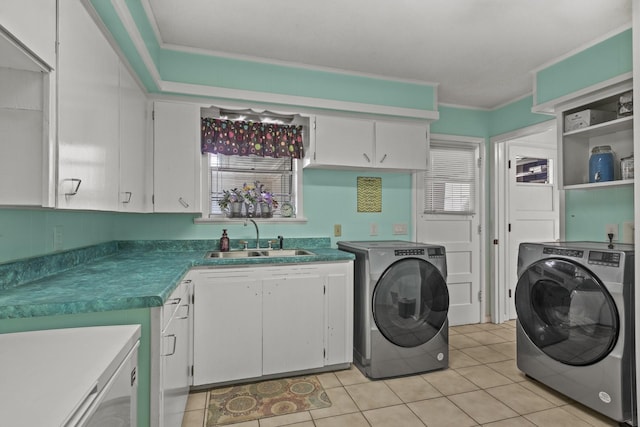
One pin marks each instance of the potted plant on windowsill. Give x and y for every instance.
(266, 200)
(231, 203)
(251, 197)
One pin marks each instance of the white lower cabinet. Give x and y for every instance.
(267, 320)
(171, 357)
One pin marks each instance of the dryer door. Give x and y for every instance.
(566, 312)
(410, 302)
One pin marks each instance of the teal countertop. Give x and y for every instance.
(121, 275)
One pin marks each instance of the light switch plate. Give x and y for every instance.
(337, 230)
(399, 228)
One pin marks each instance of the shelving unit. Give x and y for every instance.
(576, 145)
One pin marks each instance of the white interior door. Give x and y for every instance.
(533, 204)
(458, 231)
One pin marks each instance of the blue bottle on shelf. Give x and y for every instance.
(601, 164)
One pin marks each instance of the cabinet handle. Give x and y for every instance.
(128, 193)
(383, 157)
(173, 350)
(366, 157)
(183, 203)
(74, 191)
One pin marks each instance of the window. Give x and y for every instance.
(278, 175)
(452, 179)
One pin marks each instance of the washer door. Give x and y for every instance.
(410, 302)
(566, 312)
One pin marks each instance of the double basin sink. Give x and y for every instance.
(252, 253)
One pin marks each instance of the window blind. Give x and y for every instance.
(450, 183)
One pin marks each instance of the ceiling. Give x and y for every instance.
(480, 52)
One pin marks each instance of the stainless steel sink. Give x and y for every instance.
(259, 253)
(234, 254)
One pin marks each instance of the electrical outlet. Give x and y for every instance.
(337, 230)
(373, 229)
(399, 228)
(611, 229)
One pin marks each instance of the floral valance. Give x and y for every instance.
(242, 138)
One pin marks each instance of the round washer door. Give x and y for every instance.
(410, 302)
(566, 312)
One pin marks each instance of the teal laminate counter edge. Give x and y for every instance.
(122, 275)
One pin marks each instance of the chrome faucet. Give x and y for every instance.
(257, 231)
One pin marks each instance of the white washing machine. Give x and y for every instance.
(575, 328)
(401, 304)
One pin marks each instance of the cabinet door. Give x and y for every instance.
(33, 23)
(175, 366)
(343, 142)
(293, 324)
(134, 149)
(227, 331)
(88, 93)
(176, 157)
(401, 145)
(339, 308)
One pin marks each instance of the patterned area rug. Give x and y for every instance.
(235, 404)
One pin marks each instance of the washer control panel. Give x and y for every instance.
(611, 259)
(409, 252)
(575, 253)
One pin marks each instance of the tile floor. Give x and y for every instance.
(482, 387)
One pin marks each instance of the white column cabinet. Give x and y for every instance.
(88, 103)
(265, 320)
(176, 157)
(345, 142)
(134, 196)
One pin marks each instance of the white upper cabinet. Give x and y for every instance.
(32, 24)
(344, 142)
(401, 145)
(135, 149)
(88, 113)
(176, 157)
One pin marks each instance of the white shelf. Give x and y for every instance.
(591, 185)
(605, 128)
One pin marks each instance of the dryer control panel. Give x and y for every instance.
(575, 253)
(409, 252)
(611, 259)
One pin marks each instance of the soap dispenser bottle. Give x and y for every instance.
(224, 241)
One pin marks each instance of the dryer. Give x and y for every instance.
(575, 327)
(401, 304)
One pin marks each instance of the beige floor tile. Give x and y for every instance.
(194, 418)
(349, 420)
(453, 332)
(520, 399)
(465, 329)
(285, 420)
(329, 380)
(482, 407)
(510, 323)
(551, 395)
(483, 376)
(506, 348)
(485, 337)
(302, 424)
(592, 417)
(484, 354)
(341, 403)
(411, 389)
(556, 417)
(351, 376)
(509, 369)
(458, 359)
(512, 422)
(253, 423)
(440, 412)
(509, 334)
(393, 416)
(372, 395)
(488, 326)
(197, 400)
(449, 382)
(462, 341)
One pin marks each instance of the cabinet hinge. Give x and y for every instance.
(324, 289)
(191, 370)
(153, 199)
(479, 162)
(479, 229)
(509, 293)
(495, 241)
(153, 114)
(314, 123)
(509, 164)
(509, 228)
(479, 296)
(324, 353)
